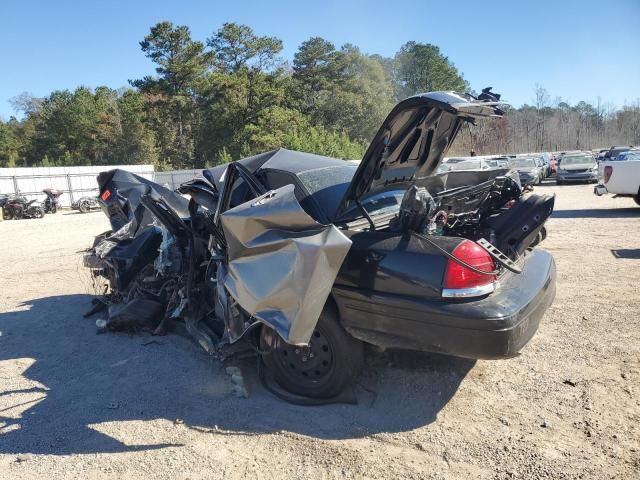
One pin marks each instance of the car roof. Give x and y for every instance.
(320, 181)
(619, 149)
(281, 159)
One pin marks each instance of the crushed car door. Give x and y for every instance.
(280, 263)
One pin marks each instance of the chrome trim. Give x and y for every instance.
(469, 292)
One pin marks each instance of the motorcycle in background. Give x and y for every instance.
(16, 207)
(85, 204)
(51, 202)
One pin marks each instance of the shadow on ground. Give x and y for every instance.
(78, 212)
(626, 253)
(598, 213)
(75, 380)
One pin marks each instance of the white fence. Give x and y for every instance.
(78, 182)
(175, 178)
(75, 182)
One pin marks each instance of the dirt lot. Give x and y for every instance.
(77, 405)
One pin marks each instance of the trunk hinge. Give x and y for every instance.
(498, 256)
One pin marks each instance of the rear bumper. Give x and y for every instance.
(496, 326)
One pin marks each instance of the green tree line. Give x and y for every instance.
(223, 98)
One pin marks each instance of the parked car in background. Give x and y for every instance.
(529, 170)
(613, 152)
(473, 163)
(446, 163)
(569, 152)
(546, 162)
(541, 166)
(620, 177)
(629, 155)
(498, 162)
(467, 164)
(577, 168)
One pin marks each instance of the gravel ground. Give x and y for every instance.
(77, 405)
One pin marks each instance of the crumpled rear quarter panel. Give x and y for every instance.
(282, 263)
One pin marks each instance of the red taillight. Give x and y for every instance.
(105, 195)
(608, 170)
(458, 277)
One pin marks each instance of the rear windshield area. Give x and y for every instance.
(328, 185)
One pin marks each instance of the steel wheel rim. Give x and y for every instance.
(312, 363)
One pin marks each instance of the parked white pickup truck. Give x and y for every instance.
(621, 178)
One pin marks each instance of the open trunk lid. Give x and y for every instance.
(413, 139)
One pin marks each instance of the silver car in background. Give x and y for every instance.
(577, 168)
(529, 170)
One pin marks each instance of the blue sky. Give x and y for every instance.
(576, 49)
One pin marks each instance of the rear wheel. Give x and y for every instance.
(36, 212)
(53, 209)
(17, 213)
(84, 207)
(330, 362)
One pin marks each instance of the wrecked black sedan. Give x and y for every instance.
(309, 258)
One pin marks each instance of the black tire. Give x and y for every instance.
(84, 207)
(36, 212)
(333, 359)
(543, 233)
(558, 182)
(536, 241)
(636, 199)
(53, 209)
